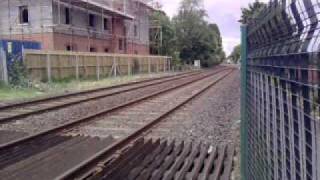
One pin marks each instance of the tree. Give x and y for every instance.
(196, 38)
(164, 43)
(250, 13)
(235, 55)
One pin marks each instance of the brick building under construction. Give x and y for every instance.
(114, 26)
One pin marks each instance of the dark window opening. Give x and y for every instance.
(106, 50)
(24, 14)
(135, 30)
(68, 48)
(120, 44)
(105, 24)
(67, 15)
(93, 49)
(91, 20)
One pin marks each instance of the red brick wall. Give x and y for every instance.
(80, 43)
(138, 49)
(57, 41)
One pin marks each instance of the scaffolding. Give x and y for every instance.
(132, 12)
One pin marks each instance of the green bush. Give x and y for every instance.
(18, 75)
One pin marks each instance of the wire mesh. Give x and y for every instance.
(283, 103)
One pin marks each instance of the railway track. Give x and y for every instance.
(91, 169)
(45, 147)
(15, 111)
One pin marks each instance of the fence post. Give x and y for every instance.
(77, 67)
(164, 65)
(244, 123)
(149, 65)
(98, 67)
(3, 65)
(115, 66)
(48, 68)
(169, 64)
(158, 65)
(129, 67)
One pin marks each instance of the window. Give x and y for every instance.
(67, 15)
(68, 48)
(91, 20)
(105, 23)
(93, 49)
(106, 50)
(120, 44)
(24, 14)
(135, 30)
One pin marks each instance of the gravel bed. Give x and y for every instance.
(212, 118)
(125, 121)
(36, 123)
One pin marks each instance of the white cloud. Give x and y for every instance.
(225, 13)
(229, 44)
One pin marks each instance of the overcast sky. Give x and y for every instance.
(225, 13)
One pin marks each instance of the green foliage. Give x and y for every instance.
(196, 38)
(167, 33)
(250, 13)
(18, 74)
(235, 55)
(188, 36)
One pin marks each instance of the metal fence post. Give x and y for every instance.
(169, 64)
(98, 68)
(244, 123)
(77, 67)
(115, 66)
(149, 65)
(129, 67)
(48, 68)
(158, 65)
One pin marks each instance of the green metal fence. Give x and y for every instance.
(281, 94)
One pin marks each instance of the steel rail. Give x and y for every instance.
(28, 102)
(91, 163)
(98, 114)
(59, 106)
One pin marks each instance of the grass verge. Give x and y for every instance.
(38, 90)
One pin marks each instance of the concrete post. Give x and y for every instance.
(48, 68)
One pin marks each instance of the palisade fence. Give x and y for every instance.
(281, 74)
(57, 65)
